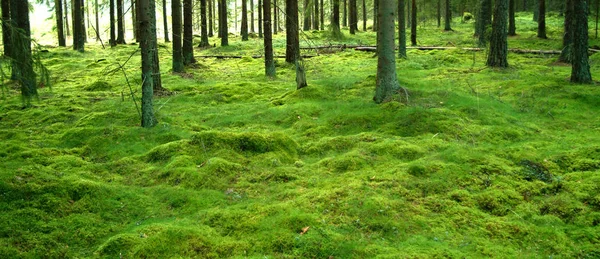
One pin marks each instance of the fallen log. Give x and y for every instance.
(368, 48)
(240, 57)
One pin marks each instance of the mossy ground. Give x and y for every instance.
(479, 162)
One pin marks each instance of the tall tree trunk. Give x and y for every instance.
(387, 82)
(335, 19)
(268, 40)
(345, 14)
(112, 40)
(364, 15)
(23, 63)
(134, 20)
(83, 30)
(497, 57)
(316, 15)
(176, 17)
(448, 17)
(541, 32)
(120, 23)
(252, 16)
(97, 15)
(59, 23)
(439, 13)
(210, 18)
(244, 21)
(512, 29)
(375, 8)
(188, 33)
(353, 17)
(307, 20)
(567, 52)
(413, 23)
(66, 11)
(322, 16)
(292, 50)
(260, 19)
(147, 36)
(580, 71)
(223, 21)
(165, 24)
(275, 17)
(483, 21)
(6, 36)
(401, 30)
(78, 34)
(203, 25)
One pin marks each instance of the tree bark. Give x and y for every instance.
(78, 33)
(203, 25)
(188, 33)
(580, 71)
(147, 36)
(244, 21)
(120, 23)
(268, 40)
(401, 30)
(177, 26)
(224, 28)
(345, 17)
(375, 8)
(275, 17)
(59, 23)
(292, 50)
(252, 16)
(448, 17)
(541, 31)
(316, 15)
(483, 21)
(335, 19)
(512, 29)
(23, 63)
(307, 18)
(567, 51)
(66, 11)
(97, 15)
(439, 13)
(387, 82)
(353, 16)
(134, 22)
(497, 57)
(210, 18)
(260, 19)
(112, 40)
(364, 14)
(413, 24)
(165, 24)
(323, 16)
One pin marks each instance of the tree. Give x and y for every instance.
(210, 18)
(497, 57)
(112, 40)
(165, 24)
(345, 17)
(316, 15)
(512, 30)
(66, 11)
(59, 22)
(322, 16)
(375, 8)
(353, 19)
(260, 19)
(567, 50)
(252, 16)
(275, 17)
(6, 38)
(203, 25)
(244, 21)
(439, 13)
(483, 21)
(580, 71)
(188, 33)
(147, 44)
(401, 30)
(335, 20)
(541, 30)
(135, 25)
(120, 23)
(387, 82)
(364, 15)
(22, 62)
(307, 12)
(268, 39)
(448, 17)
(78, 32)
(178, 66)
(292, 50)
(97, 14)
(413, 24)
(223, 28)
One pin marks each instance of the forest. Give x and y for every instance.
(300, 129)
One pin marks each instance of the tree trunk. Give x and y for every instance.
(260, 19)
(483, 21)
(97, 14)
(335, 20)
(66, 11)
(307, 12)
(223, 23)
(448, 17)
(176, 19)
(323, 16)
(83, 29)
(78, 34)
(6, 37)
(23, 63)
(375, 8)
(112, 40)
(439, 13)
(497, 57)
(364, 14)
(512, 29)
(316, 15)
(353, 17)
(275, 17)
(268, 40)
(252, 16)
(147, 36)
(165, 24)
(210, 18)
(387, 82)
(541, 31)
(567, 51)
(292, 50)
(203, 25)
(401, 30)
(188, 33)
(580, 71)
(59, 23)
(244, 21)
(120, 23)
(413, 24)
(345, 17)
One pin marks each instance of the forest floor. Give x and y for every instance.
(478, 162)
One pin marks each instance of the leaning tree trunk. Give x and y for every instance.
(147, 40)
(165, 24)
(387, 82)
(268, 39)
(112, 41)
(78, 33)
(292, 50)
(178, 66)
(59, 22)
(188, 33)
(203, 30)
(567, 51)
(541, 31)
(401, 30)
(413, 24)
(580, 71)
(244, 28)
(448, 17)
(497, 57)
(120, 23)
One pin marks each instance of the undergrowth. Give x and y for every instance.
(478, 162)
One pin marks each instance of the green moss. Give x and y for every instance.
(98, 86)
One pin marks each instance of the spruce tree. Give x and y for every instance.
(292, 50)
(188, 33)
(497, 56)
(580, 71)
(268, 39)
(244, 28)
(567, 51)
(176, 18)
(147, 38)
(387, 82)
(401, 29)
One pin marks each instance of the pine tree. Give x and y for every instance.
(176, 18)
(203, 24)
(147, 21)
(165, 23)
(120, 23)
(268, 39)
(292, 50)
(387, 82)
(512, 29)
(188, 33)
(401, 30)
(413, 23)
(541, 31)
(448, 17)
(567, 51)
(580, 71)
(497, 57)
(244, 28)
(113, 39)
(59, 22)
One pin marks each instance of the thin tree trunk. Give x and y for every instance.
(134, 20)
(353, 19)
(97, 14)
(580, 71)
(252, 16)
(59, 23)
(413, 24)
(120, 23)
(210, 18)
(244, 21)
(322, 16)
(448, 17)
(512, 29)
(541, 32)
(275, 18)
(497, 56)
(203, 24)
(375, 18)
(78, 37)
(165, 24)
(364, 14)
(316, 15)
(176, 17)
(401, 30)
(112, 40)
(439, 13)
(292, 51)
(147, 35)
(260, 19)
(268, 40)
(188, 33)
(335, 19)
(307, 17)
(387, 82)
(66, 11)
(345, 15)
